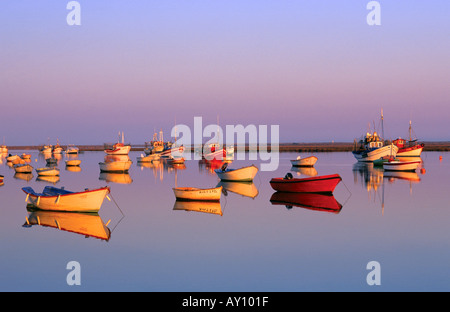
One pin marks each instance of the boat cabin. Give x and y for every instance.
(400, 143)
(372, 141)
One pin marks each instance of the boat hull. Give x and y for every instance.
(115, 166)
(371, 155)
(304, 162)
(23, 168)
(196, 194)
(47, 171)
(73, 162)
(245, 174)
(318, 184)
(412, 151)
(119, 150)
(85, 201)
(398, 165)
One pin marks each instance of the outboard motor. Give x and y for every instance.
(288, 176)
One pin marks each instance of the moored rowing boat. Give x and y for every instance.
(317, 184)
(193, 193)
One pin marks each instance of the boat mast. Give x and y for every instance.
(382, 124)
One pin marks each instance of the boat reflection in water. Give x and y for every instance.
(48, 179)
(247, 189)
(119, 178)
(86, 224)
(312, 201)
(211, 207)
(23, 176)
(73, 168)
(307, 171)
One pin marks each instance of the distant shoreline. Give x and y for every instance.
(283, 147)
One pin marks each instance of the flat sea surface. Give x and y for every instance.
(245, 243)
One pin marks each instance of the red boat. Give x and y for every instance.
(317, 184)
(313, 201)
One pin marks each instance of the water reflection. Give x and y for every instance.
(48, 179)
(87, 224)
(120, 178)
(199, 206)
(23, 176)
(246, 189)
(305, 171)
(312, 201)
(209, 166)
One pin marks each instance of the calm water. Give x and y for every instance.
(250, 244)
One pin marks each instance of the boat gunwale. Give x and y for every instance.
(34, 194)
(311, 179)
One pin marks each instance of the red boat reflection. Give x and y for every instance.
(313, 201)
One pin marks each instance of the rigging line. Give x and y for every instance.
(116, 204)
(348, 192)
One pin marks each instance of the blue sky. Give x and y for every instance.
(313, 67)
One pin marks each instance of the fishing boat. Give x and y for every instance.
(115, 166)
(304, 162)
(84, 224)
(247, 173)
(71, 149)
(73, 162)
(155, 145)
(409, 148)
(119, 148)
(47, 171)
(23, 168)
(317, 184)
(148, 158)
(46, 149)
(57, 149)
(59, 199)
(399, 165)
(193, 193)
(373, 147)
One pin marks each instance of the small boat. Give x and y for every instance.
(379, 162)
(23, 168)
(172, 151)
(3, 149)
(175, 160)
(408, 148)
(313, 201)
(47, 171)
(120, 148)
(241, 174)
(57, 149)
(72, 149)
(193, 193)
(58, 199)
(149, 157)
(115, 166)
(25, 156)
(399, 165)
(13, 158)
(317, 184)
(46, 149)
(304, 162)
(51, 161)
(73, 162)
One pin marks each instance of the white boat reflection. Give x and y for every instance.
(305, 171)
(119, 178)
(23, 176)
(199, 206)
(73, 168)
(86, 224)
(48, 179)
(312, 201)
(247, 189)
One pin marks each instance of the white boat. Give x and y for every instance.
(373, 148)
(72, 149)
(193, 193)
(47, 149)
(242, 174)
(23, 168)
(47, 171)
(115, 166)
(120, 148)
(3, 149)
(73, 162)
(58, 199)
(149, 157)
(304, 162)
(399, 165)
(58, 149)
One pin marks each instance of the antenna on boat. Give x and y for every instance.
(382, 124)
